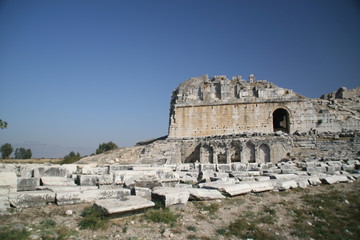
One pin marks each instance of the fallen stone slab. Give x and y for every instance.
(141, 192)
(57, 181)
(202, 194)
(314, 180)
(262, 178)
(50, 171)
(8, 183)
(4, 204)
(283, 185)
(170, 196)
(261, 186)
(68, 198)
(27, 184)
(334, 179)
(283, 176)
(124, 205)
(302, 182)
(31, 198)
(229, 189)
(93, 180)
(67, 188)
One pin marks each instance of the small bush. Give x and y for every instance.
(7, 233)
(163, 215)
(191, 228)
(211, 208)
(93, 219)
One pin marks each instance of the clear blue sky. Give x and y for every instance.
(74, 74)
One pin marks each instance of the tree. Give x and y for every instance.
(6, 150)
(3, 124)
(22, 153)
(104, 147)
(71, 157)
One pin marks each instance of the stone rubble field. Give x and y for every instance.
(123, 190)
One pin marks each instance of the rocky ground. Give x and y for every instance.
(318, 212)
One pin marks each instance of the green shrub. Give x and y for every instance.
(191, 228)
(163, 215)
(7, 233)
(211, 208)
(93, 219)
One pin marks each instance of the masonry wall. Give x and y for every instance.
(210, 120)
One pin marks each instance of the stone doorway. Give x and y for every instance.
(281, 120)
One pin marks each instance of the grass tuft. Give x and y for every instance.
(93, 219)
(162, 215)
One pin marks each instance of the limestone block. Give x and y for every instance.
(8, 183)
(183, 167)
(66, 198)
(282, 185)
(91, 170)
(228, 188)
(188, 177)
(223, 167)
(283, 176)
(302, 182)
(334, 179)
(205, 175)
(31, 198)
(27, 184)
(202, 194)
(127, 204)
(314, 180)
(141, 192)
(57, 189)
(4, 204)
(113, 168)
(262, 178)
(71, 168)
(50, 171)
(348, 167)
(87, 180)
(105, 179)
(57, 181)
(253, 167)
(238, 167)
(170, 196)
(253, 173)
(261, 186)
(168, 175)
(206, 166)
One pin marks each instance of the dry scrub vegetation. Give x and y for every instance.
(323, 212)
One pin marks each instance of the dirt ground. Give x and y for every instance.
(270, 215)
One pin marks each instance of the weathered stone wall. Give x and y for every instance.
(219, 106)
(199, 121)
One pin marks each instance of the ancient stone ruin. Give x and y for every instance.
(226, 138)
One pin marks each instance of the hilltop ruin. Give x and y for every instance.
(221, 120)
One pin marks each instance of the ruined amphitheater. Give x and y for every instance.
(226, 137)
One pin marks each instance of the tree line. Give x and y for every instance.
(20, 153)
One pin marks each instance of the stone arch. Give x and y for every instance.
(281, 121)
(208, 152)
(264, 153)
(250, 152)
(194, 155)
(235, 153)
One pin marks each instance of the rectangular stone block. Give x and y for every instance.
(27, 184)
(282, 185)
(50, 171)
(202, 194)
(124, 205)
(67, 198)
(57, 181)
(229, 189)
(8, 183)
(31, 198)
(261, 186)
(170, 196)
(4, 204)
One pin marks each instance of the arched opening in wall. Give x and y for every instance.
(235, 154)
(222, 158)
(193, 156)
(208, 154)
(281, 120)
(250, 152)
(264, 153)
